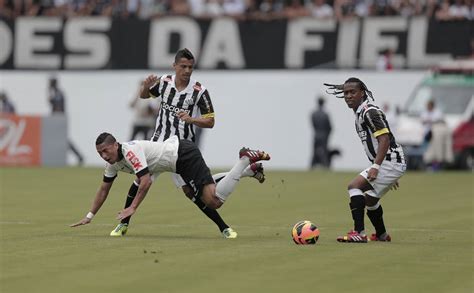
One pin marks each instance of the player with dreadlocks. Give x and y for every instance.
(388, 161)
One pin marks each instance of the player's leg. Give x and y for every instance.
(254, 170)
(122, 228)
(210, 213)
(388, 175)
(375, 214)
(135, 131)
(227, 185)
(192, 167)
(195, 173)
(356, 190)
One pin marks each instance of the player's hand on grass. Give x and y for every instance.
(150, 81)
(395, 186)
(372, 174)
(81, 222)
(125, 213)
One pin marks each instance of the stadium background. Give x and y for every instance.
(290, 60)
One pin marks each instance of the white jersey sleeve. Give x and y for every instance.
(110, 173)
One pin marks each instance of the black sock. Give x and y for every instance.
(211, 214)
(357, 206)
(376, 217)
(132, 192)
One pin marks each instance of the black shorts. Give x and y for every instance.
(192, 168)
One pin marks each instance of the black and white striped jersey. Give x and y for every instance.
(194, 100)
(370, 122)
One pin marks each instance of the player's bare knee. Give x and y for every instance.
(353, 185)
(217, 202)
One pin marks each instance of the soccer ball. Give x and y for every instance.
(305, 232)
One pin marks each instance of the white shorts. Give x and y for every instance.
(178, 180)
(389, 173)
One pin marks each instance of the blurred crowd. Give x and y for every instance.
(443, 10)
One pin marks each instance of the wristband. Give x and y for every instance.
(375, 166)
(89, 215)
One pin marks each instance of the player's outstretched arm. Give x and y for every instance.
(84, 221)
(99, 199)
(147, 84)
(145, 184)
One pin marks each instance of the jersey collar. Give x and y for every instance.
(361, 106)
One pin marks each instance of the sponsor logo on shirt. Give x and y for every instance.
(137, 165)
(188, 101)
(173, 109)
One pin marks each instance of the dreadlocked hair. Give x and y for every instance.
(335, 89)
(338, 89)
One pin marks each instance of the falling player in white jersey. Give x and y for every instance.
(148, 159)
(385, 154)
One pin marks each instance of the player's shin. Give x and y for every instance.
(357, 206)
(375, 214)
(227, 184)
(132, 192)
(211, 214)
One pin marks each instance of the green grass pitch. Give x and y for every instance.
(172, 247)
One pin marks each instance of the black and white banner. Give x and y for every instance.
(224, 43)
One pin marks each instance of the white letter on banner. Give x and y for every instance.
(222, 45)
(27, 43)
(7, 42)
(298, 41)
(416, 45)
(347, 42)
(160, 37)
(86, 35)
(374, 42)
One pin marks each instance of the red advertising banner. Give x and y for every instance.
(20, 140)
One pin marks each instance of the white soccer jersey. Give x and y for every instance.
(140, 157)
(194, 100)
(370, 122)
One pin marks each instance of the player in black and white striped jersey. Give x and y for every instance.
(184, 104)
(180, 110)
(386, 155)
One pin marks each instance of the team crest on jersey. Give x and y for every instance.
(189, 101)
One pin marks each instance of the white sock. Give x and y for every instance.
(248, 172)
(227, 184)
